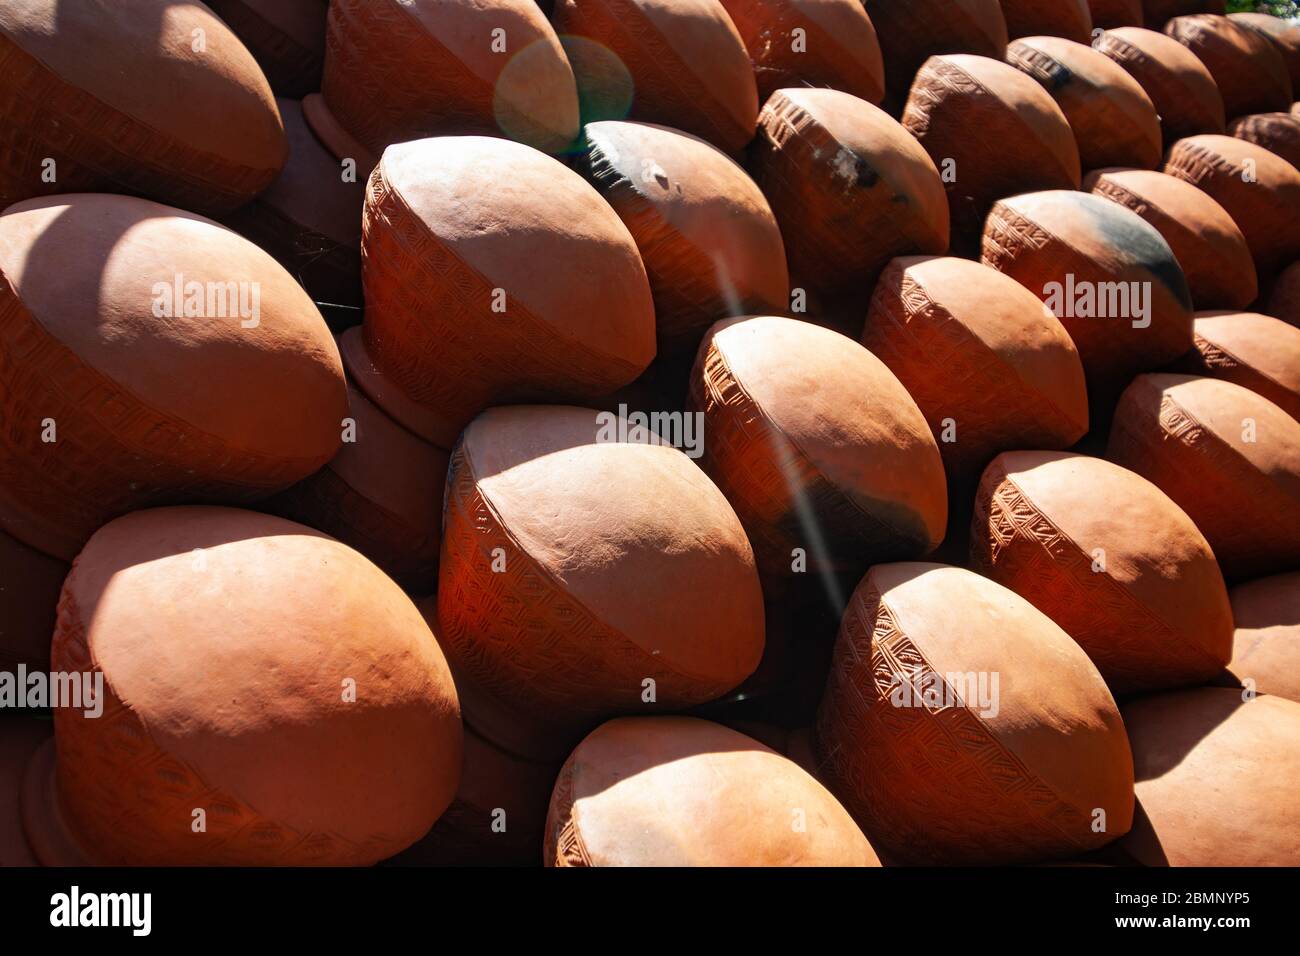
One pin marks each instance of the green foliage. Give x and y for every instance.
(1279, 8)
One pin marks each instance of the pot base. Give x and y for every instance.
(334, 137)
(411, 415)
(47, 830)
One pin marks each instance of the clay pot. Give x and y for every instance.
(1206, 242)
(399, 70)
(1279, 133)
(582, 575)
(1260, 191)
(1256, 351)
(1108, 14)
(677, 791)
(118, 98)
(994, 131)
(825, 457)
(319, 730)
(1113, 120)
(682, 64)
(1107, 556)
(1283, 34)
(1071, 19)
(381, 494)
(1182, 90)
(836, 48)
(1042, 753)
(465, 304)
(1266, 646)
(1249, 70)
(988, 365)
(1062, 246)
(29, 592)
(706, 234)
(1216, 779)
(286, 37)
(1284, 302)
(124, 396)
(1227, 456)
(912, 32)
(1159, 12)
(20, 737)
(309, 219)
(851, 189)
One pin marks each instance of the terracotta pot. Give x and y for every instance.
(1042, 753)
(20, 737)
(118, 98)
(851, 189)
(1283, 34)
(960, 107)
(1260, 191)
(399, 70)
(1107, 556)
(220, 696)
(1108, 14)
(29, 593)
(1182, 90)
(836, 46)
(549, 520)
(381, 494)
(286, 37)
(1249, 815)
(465, 305)
(1071, 19)
(682, 64)
(116, 417)
(1227, 456)
(1256, 351)
(1279, 133)
(825, 457)
(1266, 646)
(988, 365)
(1044, 239)
(309, 219)
(912, 32)
(1113, 119)
(676, 791)
(1160, 12)
(706, 234)
(1249, 70)
(1284, 302)
(1206, 242)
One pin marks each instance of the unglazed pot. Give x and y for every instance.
(1279, 133)
(1113, 120)
(240, 727)
(149, 356)
(1111, 559)
(588, 571)
(1182, 90)
(29, 593)
(1228, 457)
(20, 737)
(1260, 191)
(399, 70)
(810, 43)
(1108, 14)
(988, 365)
(381, 494)
(680, 63)
(706, 234)
(102, 95)
(1071, 19)
(1058, 243)
(1159, 12)
(851, 189)
(825, 457)
(912, 32)
(1248, 68)
(309, 219)
(911, 752)
(1266, 646)
(994, 131)
(492, 274)
(1216, 779)
(1283, 34)
(678, 791)
(286, 37)
(1256, 351)
(1206, 242)
(1284, 301)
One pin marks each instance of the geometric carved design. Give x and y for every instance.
(564, 846)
